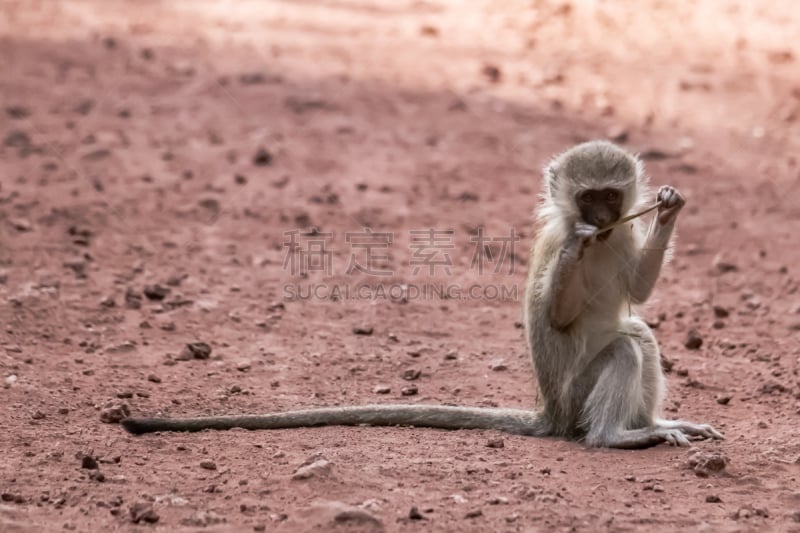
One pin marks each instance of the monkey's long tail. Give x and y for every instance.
(517, 421)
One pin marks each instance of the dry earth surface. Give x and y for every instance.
(154, 155)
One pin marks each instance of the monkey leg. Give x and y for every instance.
(619, 410)
(653, 385)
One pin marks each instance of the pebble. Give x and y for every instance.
(414, 514)
(693, 340)
(89, 462)
(318, 468)
(208, 465)
(155, 292)
(195, 350)
(243, 366)
(143, 512)
(705, 463)
(411, 374)
(495, 443)
(474, 514)
(382, 389)
(498, 365)
(114, 411)
(492, 73)
(409, 390)
(713, 498)
(20, 224)
(262, 157)
(723, 400)
(724, 266)
(203, 519)
(721, 312)
(153, 378)
(363, 330)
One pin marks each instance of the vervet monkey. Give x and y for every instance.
(597, 363)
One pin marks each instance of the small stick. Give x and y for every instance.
(628, 218)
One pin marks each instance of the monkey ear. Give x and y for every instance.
(550, 178)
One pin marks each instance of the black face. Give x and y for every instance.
(600, 207)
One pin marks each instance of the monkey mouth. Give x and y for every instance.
(605, 235)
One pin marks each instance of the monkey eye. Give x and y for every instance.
(586, 197)
(612, 196)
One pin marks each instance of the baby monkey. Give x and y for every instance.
(597, 363)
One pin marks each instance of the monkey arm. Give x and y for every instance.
(568, 296)
(651, 258)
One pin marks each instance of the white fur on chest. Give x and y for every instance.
(605, 270)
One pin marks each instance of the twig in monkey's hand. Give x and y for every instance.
(628, 218)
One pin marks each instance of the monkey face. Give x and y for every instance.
(600, 207)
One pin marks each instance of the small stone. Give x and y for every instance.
(243, 366)
(723, 400)
(203, 519)
(693, 340)
(713, 498)
(414, 514)
(382, 389)
(156, 292)
(63, 410)
(208, 465)
(195, 350)
(125, 394)
(492, 73)
(498, 365)
(318, 468)
(772, 387)
(17, 112)
(705, 463)
(153, 378)
(721, 312)
(38, 415)
(451, 355)
(96, 475)
(495, 443)
(617, 134)
(20, 224)
(262, 158)
(89, 462)
(474, 514)
(113, 412)
(363, 330)
(411, 374)
(630, 477)
(17, 139)
(410, 390)
(11, 497)
(724, 266)
(143, 512)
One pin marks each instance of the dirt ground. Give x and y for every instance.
(155, 158)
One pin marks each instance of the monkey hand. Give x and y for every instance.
(585, 234)
(671, 203)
